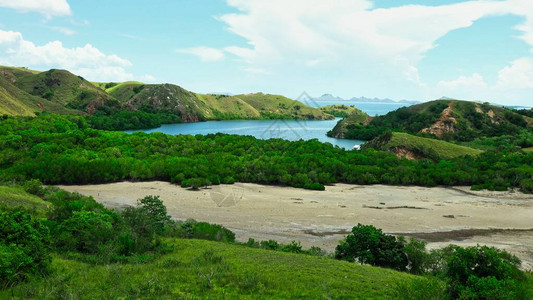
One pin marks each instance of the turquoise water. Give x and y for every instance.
(266, 129)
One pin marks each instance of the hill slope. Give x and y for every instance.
(444, 119)
(61, 87)
(25, 92)
(414, 147)
(203, 269)
(356, 118)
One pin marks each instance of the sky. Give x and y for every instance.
(402, 49)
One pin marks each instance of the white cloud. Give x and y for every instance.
(86, 61)
(64, 30)
(204, 53)
(471, 87)
(359, 43)
(48, 8)
(519, 75)
(148, 78)
(346, 33)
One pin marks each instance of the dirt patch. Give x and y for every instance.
(445, 124)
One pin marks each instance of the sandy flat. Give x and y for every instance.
(320, 218)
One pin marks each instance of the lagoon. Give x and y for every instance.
(292, 130)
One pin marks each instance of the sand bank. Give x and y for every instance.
(320, 218)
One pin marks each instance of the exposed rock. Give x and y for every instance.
(403, 152)
(445, 124)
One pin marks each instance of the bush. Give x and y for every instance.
(293, 247)
(85, 232)
(270, 245)
(369, 245)
(417, 256)
(34, 187)
(156, 211)
(315, 186)
(482, 272)
(24, 246)
(204, 231)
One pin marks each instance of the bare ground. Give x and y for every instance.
(440, 216)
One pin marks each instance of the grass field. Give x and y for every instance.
(14, 197)
(442, 149)
(214, 270)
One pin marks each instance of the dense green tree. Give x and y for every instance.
(369, 245)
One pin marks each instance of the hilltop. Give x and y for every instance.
(354, 118)
(453, 120)
(25, 92)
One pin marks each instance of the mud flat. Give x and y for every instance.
(440, 216)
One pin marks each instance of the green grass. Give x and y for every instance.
(203, 269)
(338, 110)
(442, 149)
(14, 197)
(528, 150)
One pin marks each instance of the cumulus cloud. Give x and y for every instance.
(518, 75)
(87, 61)
(357, 40)
(471, 87)
(346, 32)
(49, 8)
(204, 53)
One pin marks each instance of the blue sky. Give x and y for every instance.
(478, 50)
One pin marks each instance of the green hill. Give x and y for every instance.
(356, 117)
(63, 88)
(25, 92)
(455, 120)
(338, 110)
(414, 147)
(203, 269)
(16, 102)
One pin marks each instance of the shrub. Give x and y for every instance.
(24, 246)
(85, 231)
(482, 272)
(417, 256)
(369, 245)
(204, 231)
(156, 211)
(315, 186)
(293, 247)
(34, 187)
(269, 245)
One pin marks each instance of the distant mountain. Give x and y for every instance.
(330, 97)
(25, 92)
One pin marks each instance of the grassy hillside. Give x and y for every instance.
(445, 119)
(338, 110)
(410, 146)
(25, 92)
(15, 196)
(204, 269)
(64, 88)
(356, 117)
(14, 101)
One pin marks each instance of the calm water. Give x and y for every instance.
(267, 129)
